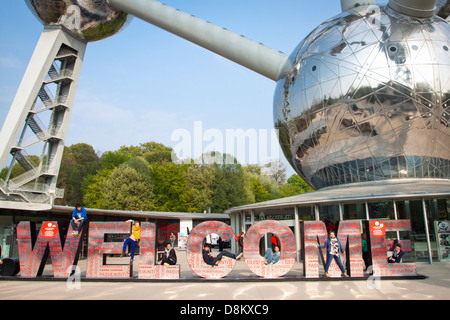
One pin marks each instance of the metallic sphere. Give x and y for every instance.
(91, 20)
(369, 99)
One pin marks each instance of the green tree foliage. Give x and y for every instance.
(199, 187)
(79, 161)
(93, 186)
(169, 186)
(231, 186)
(112, 159)
(144, 177)
(298, 182)
(126, 189)
(151, 151)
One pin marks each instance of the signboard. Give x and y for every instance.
(49, 230)
(34, 250)
(377, 229)
(442, 229)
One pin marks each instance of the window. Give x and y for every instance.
(354, 211)
(381, 210)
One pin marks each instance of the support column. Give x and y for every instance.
(48, 87)
(427, 232)
(297, 233)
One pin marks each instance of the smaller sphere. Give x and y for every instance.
(91, 20)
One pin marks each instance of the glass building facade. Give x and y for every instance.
(428, 209)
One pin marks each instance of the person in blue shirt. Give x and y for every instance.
(334, 249)
(272, 257)
(79, 217)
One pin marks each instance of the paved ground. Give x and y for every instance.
(435, 287)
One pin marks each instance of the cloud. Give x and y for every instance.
(107, 125)
(11, 62)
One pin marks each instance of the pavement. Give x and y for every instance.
(240, 284)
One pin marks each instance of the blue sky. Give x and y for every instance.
(143, 83)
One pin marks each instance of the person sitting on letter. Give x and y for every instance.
(214, 261)
(397, 255)
(272, 257)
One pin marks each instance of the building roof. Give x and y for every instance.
(144, 214)
(357, 192)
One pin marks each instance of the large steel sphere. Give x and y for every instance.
(91, 20)
(369, 99)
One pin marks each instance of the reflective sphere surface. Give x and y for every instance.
(369, 99)
(91, 20)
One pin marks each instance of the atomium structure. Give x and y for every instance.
(368, 99)
(364, 97)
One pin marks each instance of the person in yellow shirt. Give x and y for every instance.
(133, 239)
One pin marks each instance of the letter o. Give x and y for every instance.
(194, 249)
(287, 243)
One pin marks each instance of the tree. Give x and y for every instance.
(157, 152)
(151, 151)
(264, 186)
(231, 186)
(259, 191)
(276, 170)
(199, 187)
(93, 186)
(78, 162)
(112, 159)
(169, 186)
(297, 185)
(142, 167)
(126, 189)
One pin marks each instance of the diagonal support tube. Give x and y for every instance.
(253, 55)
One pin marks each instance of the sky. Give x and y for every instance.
(145, 84)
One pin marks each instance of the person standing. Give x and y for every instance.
(79, 217)
(334, 249)
(365, 251)
(172, 239)
(240, 245)
(274, 241)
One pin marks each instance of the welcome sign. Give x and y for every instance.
(34, 250)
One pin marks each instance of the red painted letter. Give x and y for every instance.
(287, 245)
(97, 248)
(379, 246)
(194, 249)
(32, 259)
(147, 267)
